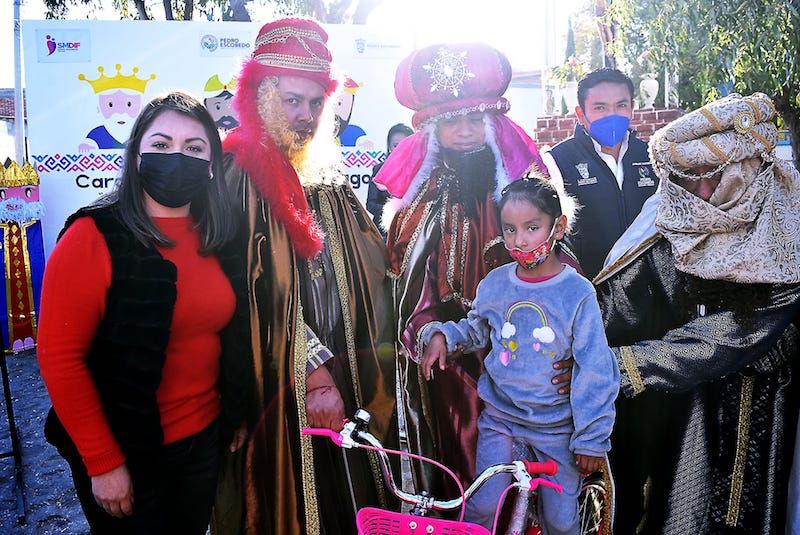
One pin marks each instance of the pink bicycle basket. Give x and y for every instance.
(372, 521)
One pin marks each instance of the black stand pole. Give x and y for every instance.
(19, 483)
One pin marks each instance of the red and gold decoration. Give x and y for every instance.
(23, 254)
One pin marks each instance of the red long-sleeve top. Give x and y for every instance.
(76, 280)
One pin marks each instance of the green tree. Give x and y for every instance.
(718, 45)
(326, 11)
(141, 10)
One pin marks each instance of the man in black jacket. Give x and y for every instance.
(603, 165)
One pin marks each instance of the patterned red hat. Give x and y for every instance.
(445, 80)
(295, 47)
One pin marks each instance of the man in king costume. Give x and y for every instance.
(699, 297)
(319, 296)
(444, 232)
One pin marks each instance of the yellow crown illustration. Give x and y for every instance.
(215, 84)
(104, 83)
(12, 176)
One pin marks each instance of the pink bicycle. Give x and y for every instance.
(376, 521)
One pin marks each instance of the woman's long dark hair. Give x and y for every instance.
(212, 211)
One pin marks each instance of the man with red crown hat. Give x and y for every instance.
(319, 296)
(444, 233)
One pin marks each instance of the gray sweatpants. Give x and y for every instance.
(558, 513)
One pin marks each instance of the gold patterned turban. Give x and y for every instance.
(749, 229)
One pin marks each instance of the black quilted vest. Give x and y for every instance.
(128, 352)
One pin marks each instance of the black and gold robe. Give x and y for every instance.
(708, 406)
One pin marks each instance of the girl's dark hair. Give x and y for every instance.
(212, 211)
(535, 190)
(399, 128)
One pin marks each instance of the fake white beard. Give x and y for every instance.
(19, 211)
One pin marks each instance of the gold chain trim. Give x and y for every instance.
(743, 436)
(464, 241)
(610, 270)
(340, 272)
(501, 105)
(286, 61)
(711, 119)
(713, 148)
(673, 151)
(755, 109)
(761, 139)
(315, 268)
(413, 206)
(633, 372)
(306, 450)
(491, 243)
(413, 240)
(283, 33)
(451, 254)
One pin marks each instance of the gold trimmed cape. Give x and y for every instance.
(291, 485)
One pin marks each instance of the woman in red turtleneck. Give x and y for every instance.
(136, 315)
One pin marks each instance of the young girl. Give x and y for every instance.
(533, 312)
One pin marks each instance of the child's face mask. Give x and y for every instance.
(536, 256)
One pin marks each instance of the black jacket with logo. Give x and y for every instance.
(606, 211)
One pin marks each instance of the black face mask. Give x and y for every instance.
(173, 179)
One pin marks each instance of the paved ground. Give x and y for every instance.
(50, 502)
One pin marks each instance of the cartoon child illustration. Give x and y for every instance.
(119, 102)
(347, 133)
(21, 234)
(220, 105)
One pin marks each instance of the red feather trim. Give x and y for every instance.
(276, 180)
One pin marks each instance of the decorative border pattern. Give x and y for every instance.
(363, 158)
(96, 161)
(633, 372)
(743, 437)
(86, 161)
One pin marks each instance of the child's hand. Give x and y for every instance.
(588, 464)
(435, 351)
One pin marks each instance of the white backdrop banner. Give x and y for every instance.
(86, 81)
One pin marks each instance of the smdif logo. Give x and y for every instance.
(54, 46)
(210, 43)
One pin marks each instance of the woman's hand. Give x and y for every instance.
(324, 404)
(113, 491)
(565, 378)
(435, 352)
(239, 438)
(588, 464)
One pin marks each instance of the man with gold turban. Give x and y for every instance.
(319, 301)
(699, 297)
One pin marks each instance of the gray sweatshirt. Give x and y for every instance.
(529, 325)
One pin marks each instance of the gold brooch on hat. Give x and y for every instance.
(743, 122)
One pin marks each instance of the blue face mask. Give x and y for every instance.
(609, 130)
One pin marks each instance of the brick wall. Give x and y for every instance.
(554, 128)
(6, 108)
(7, 103)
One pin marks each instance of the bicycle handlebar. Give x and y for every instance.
(335, 437)
(355, 435)
(546, 468)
